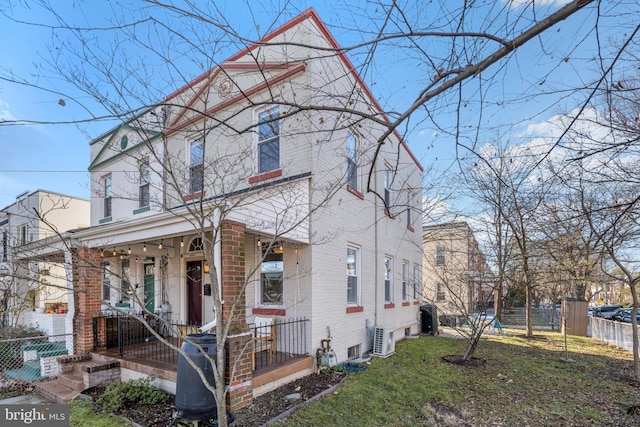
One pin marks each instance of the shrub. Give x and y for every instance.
(121, 395)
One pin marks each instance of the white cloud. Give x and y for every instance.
(5, 114)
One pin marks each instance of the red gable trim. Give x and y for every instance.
(242, 96)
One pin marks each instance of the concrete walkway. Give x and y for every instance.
(27, 399)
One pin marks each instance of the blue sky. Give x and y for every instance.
(55, 157)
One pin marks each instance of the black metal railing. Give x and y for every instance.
(286, 340)
(277, 343)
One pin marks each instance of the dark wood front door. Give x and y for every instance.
(194, 292)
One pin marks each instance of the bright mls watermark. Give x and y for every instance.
(53, 415)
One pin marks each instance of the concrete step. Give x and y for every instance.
(73, 379)
(55, 390)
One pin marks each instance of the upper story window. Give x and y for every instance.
(196, 166)
(5, 246)
(387, 187)
(268, 140)
(106, 187)
(353, 290)
(145, 179)
(22, 235)
(352, 162)
(409, 208)
(388, 279)
(441, 255)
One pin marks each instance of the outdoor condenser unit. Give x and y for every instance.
(383, 343)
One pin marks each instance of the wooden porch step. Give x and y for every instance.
(57, 391)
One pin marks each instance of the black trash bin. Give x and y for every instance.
(429, 319)
(194, 401)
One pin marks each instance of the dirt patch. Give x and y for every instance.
(473, 362)
(263, 409)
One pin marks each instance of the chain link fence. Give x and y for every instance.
(32, 358)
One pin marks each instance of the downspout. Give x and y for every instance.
(375, 244)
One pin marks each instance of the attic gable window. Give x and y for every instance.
(196, 166)
(268, 140)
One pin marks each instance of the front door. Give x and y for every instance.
(194, 292)
(149, 291)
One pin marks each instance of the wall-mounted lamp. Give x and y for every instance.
(144, 248)
(206, 267)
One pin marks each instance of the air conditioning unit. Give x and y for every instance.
(384, 345)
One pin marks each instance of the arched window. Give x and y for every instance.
(196, 245)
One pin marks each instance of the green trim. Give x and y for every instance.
(124, 141)
(142, 209)
(103, 220)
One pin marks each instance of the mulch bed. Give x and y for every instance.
(263, 408)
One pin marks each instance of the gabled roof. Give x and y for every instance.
(282, 71)
(112, 139)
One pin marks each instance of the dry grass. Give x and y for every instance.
(525, 382)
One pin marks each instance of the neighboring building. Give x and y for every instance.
(455, 275)
(288, 190)
(37, 284)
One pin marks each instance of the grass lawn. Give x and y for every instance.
(525, 382)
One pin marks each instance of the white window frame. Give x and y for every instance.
(417, 284)
(388, 279)
(355, 300)
(263, 274)
(441, 255)
(441, 294)
(125, 283)
(405, 280)
(409, 208)
(22, 235)
(107, 201)
(106, 281)
(145, 180)
(352, 161)
(196, 165)
(268, 117)
(386, 182)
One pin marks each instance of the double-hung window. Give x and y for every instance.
(106, 281)
(22, 235)
(417, 285)
(387, 188)
(440, 295)
(145, 179)
(352, 162)
(125, 284)
(268, 140)
(5, 245)
(196, 166)
(388, 279)
(405, 281)
(271, 275)
(353, 283)
(409, 207)
(106, 187)
(441, 255)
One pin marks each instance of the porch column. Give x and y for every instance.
(239, 372)
(87, 296)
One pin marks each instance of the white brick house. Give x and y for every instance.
(246, 141)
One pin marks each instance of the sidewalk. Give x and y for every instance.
(27, 399)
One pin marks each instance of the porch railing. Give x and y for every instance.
(289, 341)
(133, 339)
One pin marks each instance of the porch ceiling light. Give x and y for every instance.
(129, 250)
(259, 242)
(182, 242)
(144, 248)
(114, 252)
(160, 245)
